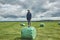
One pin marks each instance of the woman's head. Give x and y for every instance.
(28, 10)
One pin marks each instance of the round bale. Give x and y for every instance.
(42, 25)
(58, 23)
(22, 24)
(28, 33)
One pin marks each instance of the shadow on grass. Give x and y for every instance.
(18, 38)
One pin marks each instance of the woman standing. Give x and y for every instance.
(28, 16)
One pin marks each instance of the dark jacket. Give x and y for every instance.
(28, 16)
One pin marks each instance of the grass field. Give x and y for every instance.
(11, 30)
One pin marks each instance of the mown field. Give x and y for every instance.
(12, 30)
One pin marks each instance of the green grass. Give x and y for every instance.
(11, 30)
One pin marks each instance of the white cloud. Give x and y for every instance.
(22, 0)
(39, 8)
(11, 9)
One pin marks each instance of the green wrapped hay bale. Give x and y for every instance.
(28, 32)
(22, 24)
(58, 23)
(42, 25)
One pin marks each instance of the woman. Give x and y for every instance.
(29, 18)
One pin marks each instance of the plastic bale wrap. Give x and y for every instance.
(58, 23)
(28, 32)
(42, 25)
(22, 24)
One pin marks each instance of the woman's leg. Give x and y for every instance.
(29, 23)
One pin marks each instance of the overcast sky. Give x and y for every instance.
(17, 9)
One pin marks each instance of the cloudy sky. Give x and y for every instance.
(16, 9)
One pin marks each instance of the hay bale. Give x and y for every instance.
(58, 23)
(42, 25)
(28, 32)
(22, 24)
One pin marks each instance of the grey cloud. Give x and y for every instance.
(56, 15)
(39, 8)
(52, 1)
(7, 1)
(11, 16)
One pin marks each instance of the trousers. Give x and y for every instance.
(29, 22)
